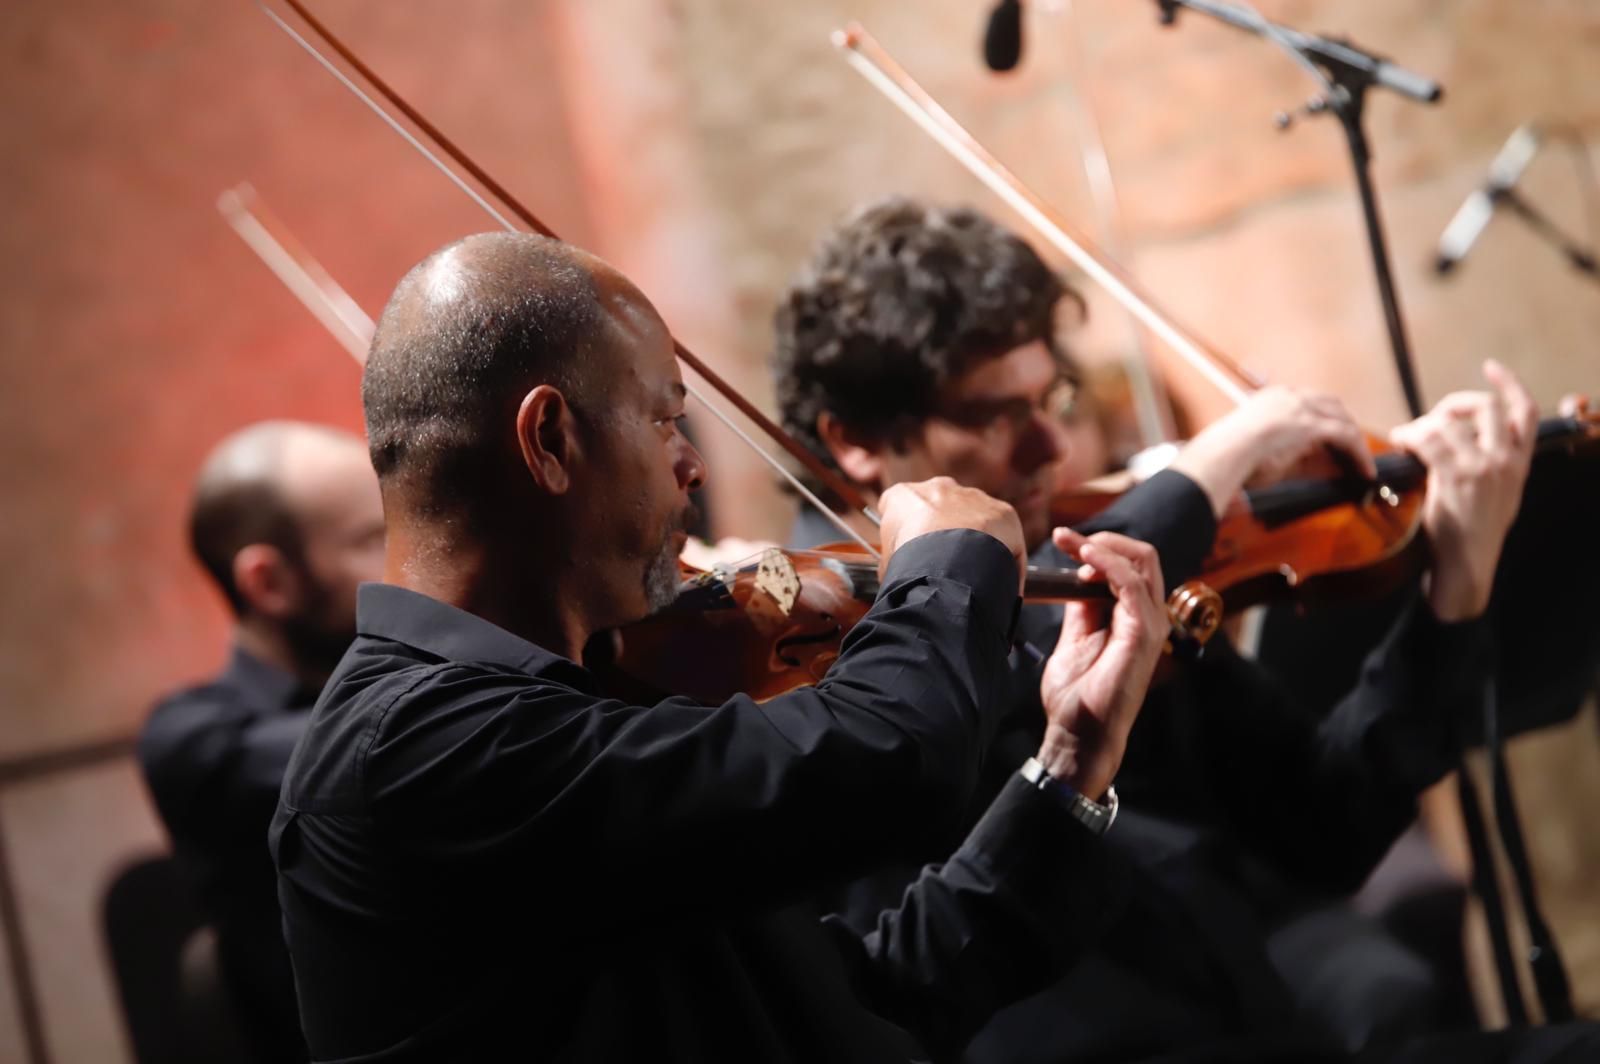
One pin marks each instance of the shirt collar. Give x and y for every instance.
(275, 688)
(385, 611)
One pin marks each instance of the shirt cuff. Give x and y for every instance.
(1435, 674)
(973, 559)
(1427, 639)
(1049, 862)
(1009, 830)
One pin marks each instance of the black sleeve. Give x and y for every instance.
(1026, 894)
(1168, 511)
(213, 767)
(1328, 798)
(680, 805)
(1171, 513)
(261, 756)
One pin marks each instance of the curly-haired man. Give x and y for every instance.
(921, 340)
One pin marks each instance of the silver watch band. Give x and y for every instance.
(1092, 815)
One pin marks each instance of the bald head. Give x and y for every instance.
(264, 485)
(466, 334)
(523, 405)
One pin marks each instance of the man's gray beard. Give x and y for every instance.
(661, 579)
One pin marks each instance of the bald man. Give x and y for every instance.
(287, 520)
(482, 859)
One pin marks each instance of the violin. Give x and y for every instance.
(771, 623)
(776, 621)
(1326, 538)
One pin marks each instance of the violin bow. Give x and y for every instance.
(302, 274)
(831, 480)
(874, 63)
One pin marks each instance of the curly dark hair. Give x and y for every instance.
(897, 300)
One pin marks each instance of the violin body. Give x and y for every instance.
(1328, 536)
(1324, 537)
(1359, 549)
(763, 628)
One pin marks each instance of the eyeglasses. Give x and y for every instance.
(1057, 403)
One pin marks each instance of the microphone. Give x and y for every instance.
(1002, 40)
(1469, 222)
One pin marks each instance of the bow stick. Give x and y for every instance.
(875, 64)
(303, 275)
(834, 483)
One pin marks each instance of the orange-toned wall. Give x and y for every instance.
(137, 329)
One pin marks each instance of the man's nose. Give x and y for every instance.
(691, 468)
(1044, 441)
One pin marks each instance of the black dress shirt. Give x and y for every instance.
(480, 858)
(214, 757)
(1238, 808)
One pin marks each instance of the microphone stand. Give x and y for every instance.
(1345, 73)
(1581, 259)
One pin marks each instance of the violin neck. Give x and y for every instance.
(1059, 585)
(1555, 432)
(1040, 585)
(1397, 470)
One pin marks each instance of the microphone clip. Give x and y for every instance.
(1317, 105)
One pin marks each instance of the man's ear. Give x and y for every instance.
(267, 583)
(859, 456)
(547, 432)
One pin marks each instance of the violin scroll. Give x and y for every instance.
(1195, 609)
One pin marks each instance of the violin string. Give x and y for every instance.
(1151, 404)
(794, 481)
(505, 223)
(848, 564)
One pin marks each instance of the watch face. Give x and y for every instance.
(1095, 816)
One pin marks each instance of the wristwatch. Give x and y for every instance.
(1092, 815)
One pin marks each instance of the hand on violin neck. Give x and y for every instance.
(1477, 447)
(1268, 437)
(912, 509)
(1095, 681)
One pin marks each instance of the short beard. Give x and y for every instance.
(662, 577)
(316, 643)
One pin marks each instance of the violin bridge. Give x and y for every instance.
(775, 575)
